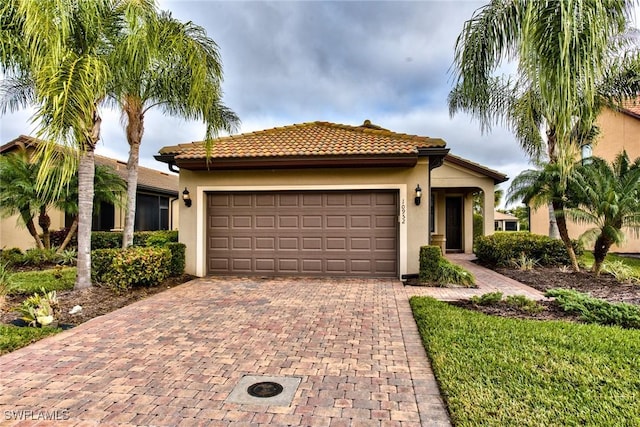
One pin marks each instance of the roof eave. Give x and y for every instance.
(292, 162)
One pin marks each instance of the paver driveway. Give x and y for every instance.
(174, 358)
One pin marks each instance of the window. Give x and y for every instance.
(152, 212)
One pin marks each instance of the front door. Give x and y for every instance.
(454, 223)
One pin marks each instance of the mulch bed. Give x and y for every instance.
(95, 301)
(544, 278)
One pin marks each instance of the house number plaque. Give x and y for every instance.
(403, 212)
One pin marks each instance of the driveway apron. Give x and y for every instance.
(175, 358)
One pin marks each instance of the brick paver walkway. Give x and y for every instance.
(487, 281)
(173, 359)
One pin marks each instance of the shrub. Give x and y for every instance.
(621, 271)
(452, 273)
(434, 268)
(39, 257)
(101, 263)
(490, 298)
(502, 247)
(524, 263)
(10, 257)
(133, 266)
(523, 303)
(177, 250)
(67, 257)
(594, 310)
(39, 310)
(429, 258)
(154, 238)
(58, 236)
(6, 282)
(106, 240)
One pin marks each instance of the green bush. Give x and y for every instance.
(106, 240)
(429, 259)
(503, 247)
(39, 257)
(154, 238)
(523, 303)
(478, 226)
(434, 268)
(490, 298)
(135, 266)
(101, 260)
(594, 310)
(177, 250)
(10, 257)
(58, 236)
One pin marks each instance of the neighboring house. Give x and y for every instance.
(323, 199)
(505, 222)
(157, 198)
(618, 130)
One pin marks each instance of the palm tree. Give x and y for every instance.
(607, 196)
(63, 47)
(109, 188)
(547, 185)
(20, 194)
(174, 66)
(564, 54)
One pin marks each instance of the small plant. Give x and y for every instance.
(67, 257)
(39, 310)
(621, 271)
(11, 257)
(523, 303)
(38, 257)
(594, 310)
(6, 283)
(524, 263)
(490, 298)
(564, 269)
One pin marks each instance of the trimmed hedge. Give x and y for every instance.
(176, 267)
(429, 258)
(121, 269)
(502, 247)
(113, 239)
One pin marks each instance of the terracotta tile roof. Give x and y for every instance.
(632, 106)
(149, 179)
(311, 139)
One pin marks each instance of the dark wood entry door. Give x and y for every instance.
(454, 223)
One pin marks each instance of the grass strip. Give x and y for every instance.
(511, 372)
(13, 337)
(29, 282)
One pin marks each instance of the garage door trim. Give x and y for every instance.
(201, 206)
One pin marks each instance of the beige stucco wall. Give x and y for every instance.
(13, 234)
(453, 180)
(414, 225)
(618, 131)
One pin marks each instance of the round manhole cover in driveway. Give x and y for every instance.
(264, 389)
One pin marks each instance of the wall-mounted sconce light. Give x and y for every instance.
(186, 198)
(418, 195)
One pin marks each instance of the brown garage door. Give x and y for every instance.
(332, 233)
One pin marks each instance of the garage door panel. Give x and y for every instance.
(307, 233)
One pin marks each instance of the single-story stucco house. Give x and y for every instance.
(321, 198)
(506, 222)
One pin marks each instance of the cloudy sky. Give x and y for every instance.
(343, 62)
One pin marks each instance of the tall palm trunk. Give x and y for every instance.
(564, 235)
(554, 233)
(31, 227)
(86, 173)
(135, 129)
(44, 221)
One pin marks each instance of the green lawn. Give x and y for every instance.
(29, 282)
(509, 372)
(13, 337)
